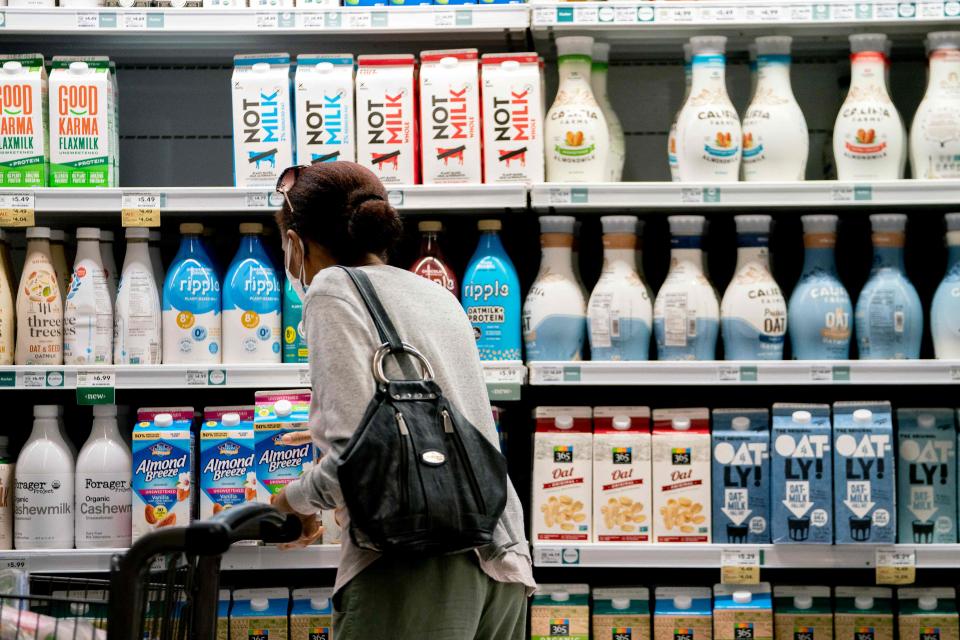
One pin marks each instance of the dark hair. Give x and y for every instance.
(343, 207)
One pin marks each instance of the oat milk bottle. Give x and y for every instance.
(88, 310)
(868, 138)
(39, 305)
(708, 127)
(935, 132)
(251, 303)
(104, 502)
(109, 263)
(672, 137)
(620, 312)
(137, 318)
(753, 312)
(945, 310)
(7, 307)
(191, 304)
(577, 134)
(889, 317)
(598, 82)
(58, 256)
(775, 139)
(686, 314)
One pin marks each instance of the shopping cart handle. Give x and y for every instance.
(255, 521)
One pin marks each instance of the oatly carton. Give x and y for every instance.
(863, 475)
(621, 474)
(621, 613)
(802, 481)
(277, 413)
(24, 140)
(450, 114)
(560, 611)
(387, 139)
(742, 612)
(262, 119)
(512, 118)
(323, 99)
(741, 476)
(802, 613)
(562, 474)
(162, 469)
(926, 476)
(227, 459)
(683, 613)
(863, 613)
(681, 475)
(927, 614)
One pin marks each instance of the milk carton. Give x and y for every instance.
(864, 487)
(802, 480)
(387, 137)
(562, 473)
(311, 615)
(223, 614)
(262, 119)
(681, 475)
(227, 476)
(512, 108)
(260, 614)
(742, 612)
(450, 110)
(277, 413)
(621, 474)
(926, 476)
(24, 140)
(741, 476)
(162, 469)
(682, 613)
(621, 614)
(928, 614)
(325, 118)
(863, 613)
(802, 613)
(560, 611)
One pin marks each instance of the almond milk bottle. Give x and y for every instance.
(324, 108)
(512, 118)
(598, 81)
(672, 137)
(7, 307)
(450, 117)
(935, 132)
(88, 311)
(39, 305)
(387, 137)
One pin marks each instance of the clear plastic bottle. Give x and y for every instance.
(88, 310)
(103, 497)
(598, 82)
(491, 296)
(39, 305)
(672, 136)
(191, 304)
(137, 334)
(430, 263)
(252, 304)
(935, 132)
(58, 256)
(109, 263)
(7, 484)
(8, 309)
(945, 310)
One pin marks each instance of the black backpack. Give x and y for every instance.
(416, 476)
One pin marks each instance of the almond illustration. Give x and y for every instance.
(169, 521)
(217, 508)
(571, 139)
(182, 494)
(249, 494)
(578, 139)
(149, 514)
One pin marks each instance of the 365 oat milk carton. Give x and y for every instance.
(311, 615)
(863, 474)
(562, 474)
(450, 117)
(683, 613)
(926, 476)
(277, 413)
(227, 459)
(928, 614)
(621, 613)
(742, 612)
(621, 474)
(802, 479)
(802, 613)
(512, 118)
(262, 119)
(24, 141)
(162, 469)
(387, 138)
(560, 611)
(323, 97)
(741, 476)
(863, 613)
(681, 475)
(260, 614)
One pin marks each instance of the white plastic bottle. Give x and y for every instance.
(7, 483)
(63, 432)
(8, 308)
(945, 309)
(577, 135)
(58, 256)
(191, 303)
(252, 302)
(598, 82)
(103, 498)
(43, 501)
(137, 337)
(775, 138)
(708, 127)
(39, 305)
(672, 136)
(156, 259)
(88, 310)
(935, 132)
(868, 137)
(109, 262)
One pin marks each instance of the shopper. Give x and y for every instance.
(337, 214)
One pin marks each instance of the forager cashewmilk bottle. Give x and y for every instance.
(262, 119)
(935, 133)
(450, 117)
(512, 118)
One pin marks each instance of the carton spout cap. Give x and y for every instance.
(12, 67)
(323, 67)
(261, 67)
(509, 65)
(803, 602)
(559, 596)
(163, 420)
(621, 423)
(863, 602)
(449, 62)
(79, 67)
(259, 604)
(682, 602)
(319, 604)
(283, 408)
(680, 424)
(802, 417)
(620, 603)
(563, 422)
(927, 603)
(740, 423)
(230, 419)
(742, 597)
(862, 416)
(926, 421)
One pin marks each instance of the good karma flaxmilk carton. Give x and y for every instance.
(24, 140)
(741, 476)
(227, 459)
(162, 469)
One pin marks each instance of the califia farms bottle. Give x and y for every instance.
(945, 310)
(935, 133)
(672, 137)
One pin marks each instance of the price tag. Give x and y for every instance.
(503, 375)
(96, 386)
(559, 196)
(259, 200)
(34, 380)
(195, 378)
(134, 20)
(585, 15)
(691, 194)
(887, 11)
(543, 16)
(96, 378)
(740, 566)
(303, 377)
(140, 210)
(359, 20)
(763, 14)
(87, 20)
(17, 209)
(267, 21)
(931, 10)
(313, 21)
(801, 13)
(19, 563)
(549, 374)
(841, 194)
(896, 566)
(954, 374)
(728, 374)
(627, 15)
(444, 19)
(821, 373)
(549, 556)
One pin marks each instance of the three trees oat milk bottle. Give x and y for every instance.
(39, 305)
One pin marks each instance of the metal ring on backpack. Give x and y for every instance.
(425, 369)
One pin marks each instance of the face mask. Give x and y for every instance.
(296, 282)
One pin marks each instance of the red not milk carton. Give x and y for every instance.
(512, 105)
(562, 474)
(621, 474)
(386, 106)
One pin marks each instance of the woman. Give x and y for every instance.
(337, 214)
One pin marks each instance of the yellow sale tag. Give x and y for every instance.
(17, 209)
(740, 566)
(140, 210)
(896, 566)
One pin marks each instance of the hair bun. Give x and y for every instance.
(375, 226)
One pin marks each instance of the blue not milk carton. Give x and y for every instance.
(741, 476)
(926, 476)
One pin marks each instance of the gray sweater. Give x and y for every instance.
(342, 340)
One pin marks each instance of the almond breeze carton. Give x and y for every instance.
(802, 481)
(162, 469)
(683, 613)
(928, 614)
(512, 118)
(325, 118)
(387, 138)
(262, 119)
(742, 612)
(863, 475)
(681, 475)
(260, 614)
(311, 615)
(562, 474)
(863, 613)
(802, 613)
(277, 413)
(621, 613)
(741, 476)
(24, 140)
(621, 474)
(227, 459)
(926, 476)
(560, 611)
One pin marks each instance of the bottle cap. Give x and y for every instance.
(774, 45)
(753, 223)
(620, 603)
(42, 233)
(163, 419)
(621, 423)
(12, 67)
(927, 603)
(803, 602)
(687, 52)
(687, 225)
(560, 596)
(191, 228)
(154, 235)
(942, 40)
(46, 411)
(740, 423)
(888, 222)
(283, 407)
(563, 422)
(106, 236)
(708, 44)
(251, 228)
(926, 421)
(863, 602)
(230, 419)
(430, 226)
(79, 67)
(953, 221)
(259, 604)
(575, 45)
(742, 597)
(682, 602)
(819, 223)
(619, 224)
(802, 417)
(557, 224)
(601, 52)
(860, 42)
(58, 235)
(319, 604)
(489, 225)
(862, 416)
(104, 411)
(88, 233)
(138, 233)
(680, 424)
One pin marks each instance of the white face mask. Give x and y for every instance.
(296, 282)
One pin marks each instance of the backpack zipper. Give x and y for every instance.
(404, 435)
(448, 428)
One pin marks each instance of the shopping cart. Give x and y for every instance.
(165, 587)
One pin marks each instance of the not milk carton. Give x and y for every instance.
(24, 141)
(621, 613)
(621, 474)
(262, 119)
(741, 476)
(562, 474)
(863, 613)
(387, 138)
(683, 613)
(863, 474)
(323, 99)
(560, 611)
(802, 613)
(681, 475)
(926, 476)
(277, 413)
(512, 118)
(162, 469)
(227, 459)
(928, 614)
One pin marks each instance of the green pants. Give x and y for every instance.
(441, 598)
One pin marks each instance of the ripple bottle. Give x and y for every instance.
(555, 310)
(251, 303)
(137, 317)
(686, 314)
(672, 137)
(191, 304)
(819, 313)
(491, 296)
(39, 305)
(598, 82)
(935, 132)
(945, 310)
(753, 312)
(889, 318)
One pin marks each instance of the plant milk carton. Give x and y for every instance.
(928, 614)
(802, 481)
(683, 613)
(741, 476)
(260, 614)
(323, 97)
(681, 475)
(512, 118)
(621, 474)
(262, 119)
(223, 615)
(742, 612)
(863, 613)
(227, 459)
(802, 613)
(24, 140)
(560, 611)
(162, 469)
(562, 474)
(277, 413)
(863, 475)
(311, 615)
(450, 112)
(621, 614)
(387, 138)
(926, 476)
